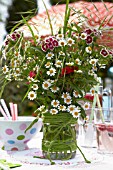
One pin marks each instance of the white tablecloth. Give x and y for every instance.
(98, 161)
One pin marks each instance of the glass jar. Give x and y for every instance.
(104, 130)
(59, 141)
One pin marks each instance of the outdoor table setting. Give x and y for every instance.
(71, 127)
(25, 158)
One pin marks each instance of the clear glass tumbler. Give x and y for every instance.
(104, 130)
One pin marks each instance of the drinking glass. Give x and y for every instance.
(104, 130)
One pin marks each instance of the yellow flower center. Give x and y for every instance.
(76, 113)
(70, 42)
(89, 48)
(68, 100)
(46, 85)
(51, 71)
(62, 43)
(31, 95)
(71, 108)
(49, 55)
(54, 88)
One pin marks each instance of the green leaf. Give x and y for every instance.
(29, 29)
(48, 17)
(30, 126)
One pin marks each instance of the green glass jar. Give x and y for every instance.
(59, 140)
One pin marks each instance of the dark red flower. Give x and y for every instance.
(44, 47)
(89, 39)
(89, 97)
(32, 74)
(50, 46)
(55, 43)
(49, 39)
(68, 70)
(88, 31)
(104, 52)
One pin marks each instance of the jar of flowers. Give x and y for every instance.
(58, 70)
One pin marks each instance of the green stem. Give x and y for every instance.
(87, 161)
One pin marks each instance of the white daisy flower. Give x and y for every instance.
(48, 64)
(46, 85)
(41, 108)
(92, 91)
(89, 49)
(60, 36)
(51, 71)
(91, 72)
(5, 69)
(68, 100)
(58, 64)
(76, 34)
(24, 66)
(93, 61)
(35, 87)
(50, 81)
(76, 94)
(49, 55)
(86, 118)
(70, 64)
(78, 71)
(18, 62)
(70, 41)
(13, 63)
(32, 95)
(17, 53)
(62, 108)
(94, 68)
(55, 103)
(65, 95)
(8, 77)
(53, 111)
(71, 108)
(31, 79)
(77, 61)
(83, 36)
(62, 43)
(86, 106)
(17, 71)
(61, 53)
(54, 89)
(76, 113)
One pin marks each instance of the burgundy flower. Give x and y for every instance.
(44, 47)
(110, 52)
(55, 43)
(88, 31)
(18, 35)
(89, 39)
(50, 46)
(32, 74)
(104, 52)
(6, 42)
(68, 70)
(48, 40)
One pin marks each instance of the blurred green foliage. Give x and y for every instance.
(19, 8)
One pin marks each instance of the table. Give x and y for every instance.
(98, 161)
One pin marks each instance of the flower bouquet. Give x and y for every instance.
(58, 70)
